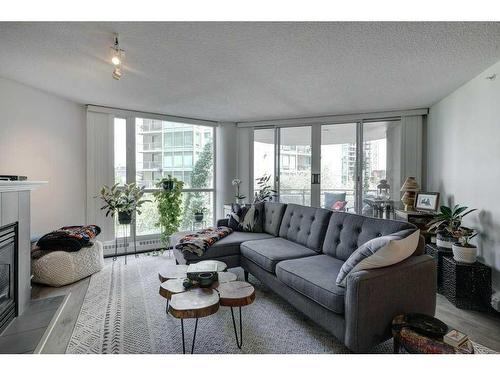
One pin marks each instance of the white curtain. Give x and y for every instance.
(100, 168)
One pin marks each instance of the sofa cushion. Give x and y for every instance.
(273, 213)
(267, 253)
(229, 245)
(380, 252)
(346, 232)
(314, 277)
(305, 225)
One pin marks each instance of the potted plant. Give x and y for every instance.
(265, 192)
(447, 223)
(124, 200)
(463, 250)
(198, 209)
(169, 207)
(239, 197)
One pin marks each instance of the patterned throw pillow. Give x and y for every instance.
(380, 252)
(246, 218)
(339, 206)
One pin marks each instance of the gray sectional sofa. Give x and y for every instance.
(299, 255)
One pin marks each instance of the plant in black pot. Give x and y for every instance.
(124, 200)
(447, 223)
(198, 209)
(169, 200)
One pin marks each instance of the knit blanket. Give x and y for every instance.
(198, 242)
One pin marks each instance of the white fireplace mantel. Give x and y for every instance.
(6, 186)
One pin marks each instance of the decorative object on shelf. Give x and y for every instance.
(466, 285)
(239, 197)
(447, 224)
(409, 188)
(265, 192)
(383, 189)
(463, 250)
(428, 202)
(169, 207)
(125, 200)
(423, 334)
(117, 55)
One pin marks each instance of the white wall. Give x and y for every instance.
(43, 137)
(463, 157)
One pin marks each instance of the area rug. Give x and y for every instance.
(123, 313)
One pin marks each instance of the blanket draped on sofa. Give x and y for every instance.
(198, 242)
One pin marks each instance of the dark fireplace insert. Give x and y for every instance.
(8, 274)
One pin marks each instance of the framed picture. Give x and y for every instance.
(427, 202)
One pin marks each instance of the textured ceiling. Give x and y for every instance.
(251, 71)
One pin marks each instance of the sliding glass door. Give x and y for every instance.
(295, 155)
(338, 167)
(334, 166)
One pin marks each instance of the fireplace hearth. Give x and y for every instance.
(8, 274)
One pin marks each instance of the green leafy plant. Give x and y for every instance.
(464, 236)
(449, 220)
(265, 191)
(198, 205)
(169, 208)
(127, 198)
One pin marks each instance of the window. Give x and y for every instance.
(187, 153)
(263, 154)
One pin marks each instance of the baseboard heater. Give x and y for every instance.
(142, 246)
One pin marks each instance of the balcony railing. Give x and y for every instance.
(150, 128)
(151, 146)
(303, 196)
(149, 165)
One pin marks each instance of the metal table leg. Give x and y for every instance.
(194, 336)
(239, 342)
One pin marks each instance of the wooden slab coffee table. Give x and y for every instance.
(197, 302)
(236, 294)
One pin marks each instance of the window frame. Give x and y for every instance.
(130, 117)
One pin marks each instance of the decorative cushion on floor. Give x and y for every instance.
(60, 268)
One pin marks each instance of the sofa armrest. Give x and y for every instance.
(222, 222)
(374, 297)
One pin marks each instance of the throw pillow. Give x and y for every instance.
(339, 206)
(380, 252)
(247, 218)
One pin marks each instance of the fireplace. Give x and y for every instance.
(8, 274)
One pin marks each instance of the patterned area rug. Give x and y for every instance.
(123, 313)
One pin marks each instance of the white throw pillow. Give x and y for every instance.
(394, 251)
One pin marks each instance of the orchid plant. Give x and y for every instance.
(237, 182)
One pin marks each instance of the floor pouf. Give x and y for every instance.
(60, 268)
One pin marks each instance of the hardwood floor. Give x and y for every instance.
(483, 328)
(61, 333)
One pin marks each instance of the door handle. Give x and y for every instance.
(315, 178)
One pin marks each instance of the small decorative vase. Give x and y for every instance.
(464, 254)
(198, 216)
(445, 241)
(124, 217)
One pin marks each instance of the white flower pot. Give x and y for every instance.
(464, 254)
(446, 242)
